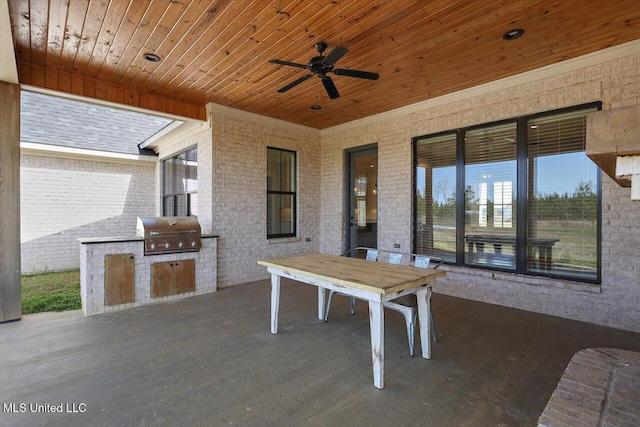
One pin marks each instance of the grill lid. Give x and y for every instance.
(167, 234)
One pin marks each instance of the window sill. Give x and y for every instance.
(550, 282)
(284, 240)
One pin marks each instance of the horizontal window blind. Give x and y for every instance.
(435, 174)
(490, 196)
(563, 202)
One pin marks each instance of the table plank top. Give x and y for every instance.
(378, 277)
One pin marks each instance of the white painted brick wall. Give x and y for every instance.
(62, 200)
(615, 303)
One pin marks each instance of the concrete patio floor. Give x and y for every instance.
(211, 360)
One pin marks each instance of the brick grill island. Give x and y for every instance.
(122, 272)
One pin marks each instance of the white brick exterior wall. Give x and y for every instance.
(615, 82)
(63, 199)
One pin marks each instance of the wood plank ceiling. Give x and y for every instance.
(217, 50)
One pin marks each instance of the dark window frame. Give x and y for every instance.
(173, 194)
(522, 200)
(294, 194)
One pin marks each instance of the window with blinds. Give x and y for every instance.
(519, 195)
(435, 196)
(281, 193)
(490, 195)
(180, 184)
(563, 187)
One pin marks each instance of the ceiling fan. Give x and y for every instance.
(319, 66)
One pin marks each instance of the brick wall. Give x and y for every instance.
(232, 170)
(614, 81)
(240, 195)
(63, 199)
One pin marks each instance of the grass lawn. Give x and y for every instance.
(56, 291)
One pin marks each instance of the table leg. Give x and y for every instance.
(424, 315)
(275, 302)
(322, 301)
(376, 323)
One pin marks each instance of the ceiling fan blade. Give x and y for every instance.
(295, 83)
(356, 73)
(291, 64)
(330, 87)
(337, 53)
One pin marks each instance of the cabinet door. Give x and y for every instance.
(161, 279)
(184, 274)
(119, 279)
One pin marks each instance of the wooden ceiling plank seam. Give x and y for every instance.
(250, 46)
(126, 34)
(92, 24)
(146, 28)
(73, 33)
(282, 80)
(114, 19)
(38, 15)
(57, 20)
(21, 30)
(196, 32)
(238, 36)
(228, 87)
(163, 35)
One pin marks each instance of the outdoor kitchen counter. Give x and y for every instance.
(114, 239)
(105, 258)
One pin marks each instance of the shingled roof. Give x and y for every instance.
(57, 121)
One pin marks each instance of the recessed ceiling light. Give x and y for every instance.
(151, 57)
(316, 107)
(513, 34)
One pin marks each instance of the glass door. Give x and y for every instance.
(363, 198)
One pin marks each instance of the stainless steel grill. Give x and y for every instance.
(169, 234)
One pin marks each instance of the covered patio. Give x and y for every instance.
(441, 90)
(211, 360)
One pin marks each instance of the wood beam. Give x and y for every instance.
(84, 86)
(612, 133)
